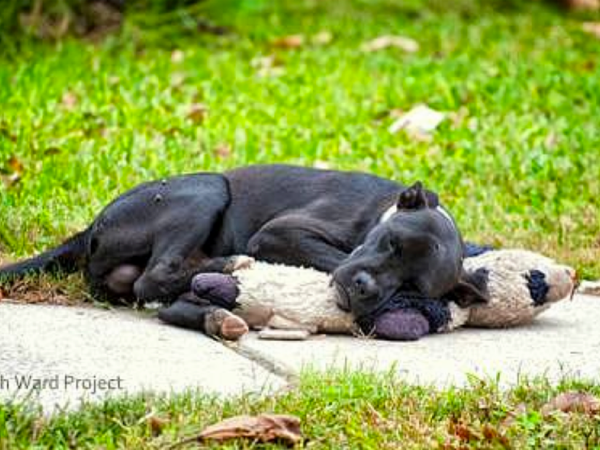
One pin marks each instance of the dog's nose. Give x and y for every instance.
(364, 284)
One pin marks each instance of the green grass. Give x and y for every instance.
(337, 410)
(81, 122)
(521, 168)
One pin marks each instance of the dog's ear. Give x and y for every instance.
(417, 197)
(471, 289)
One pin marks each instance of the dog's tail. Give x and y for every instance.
(66, 258)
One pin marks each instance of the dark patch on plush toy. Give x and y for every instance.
(393, 319)
(401, 325)
(538, 288)
(220, 289)
(472, 250)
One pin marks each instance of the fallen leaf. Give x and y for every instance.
(583, 5)
(420, 120)
(15, 165)
(197, 113)
(271, 72)
(381, 43)
(289, 42)
(264, 61)
(12, 172)
(592, 28)
(569, 402)
(223, 150)
(69, 100)
(510, 418)
(458, 117)
(461, 431)
(268, 66)
(156, 424)
(177, 79)
(263, 428)
(322, 38)
(177, 56)
(551, 140)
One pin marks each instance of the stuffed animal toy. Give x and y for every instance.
(300, 301)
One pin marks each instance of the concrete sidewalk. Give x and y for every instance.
(565, 340)
(90, 353)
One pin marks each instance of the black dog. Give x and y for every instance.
(149, 242)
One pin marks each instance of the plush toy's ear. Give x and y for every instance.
(416, 197)
(471, 289)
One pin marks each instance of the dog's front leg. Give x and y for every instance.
(194, 313)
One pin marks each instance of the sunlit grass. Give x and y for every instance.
(519, 167)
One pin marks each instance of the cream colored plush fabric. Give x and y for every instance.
(510, 303)
(285, 297)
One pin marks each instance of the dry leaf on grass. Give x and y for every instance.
(262, 428)
(223, 150)
(570, 402)
(15, 165)
(268, 66)
(197, 113)
(155, 423)
(322, 38)
(177, 56)
(592, 28)
(177, 79)
(420, 120)
(510, 418)
(11, 174)
(583, 5)
(289, 42)
(69, 100)
(403, 43)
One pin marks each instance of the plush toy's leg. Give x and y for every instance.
(220, 289)
(401, 325)
(199, 314)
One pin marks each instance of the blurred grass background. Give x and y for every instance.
(94, 105)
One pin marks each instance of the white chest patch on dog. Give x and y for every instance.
(388, 213)
(394, 209)
(446, 214)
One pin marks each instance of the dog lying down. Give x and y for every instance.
(287, 302)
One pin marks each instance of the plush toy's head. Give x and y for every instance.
(521, 284)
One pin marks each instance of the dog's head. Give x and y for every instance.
(416, 248)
